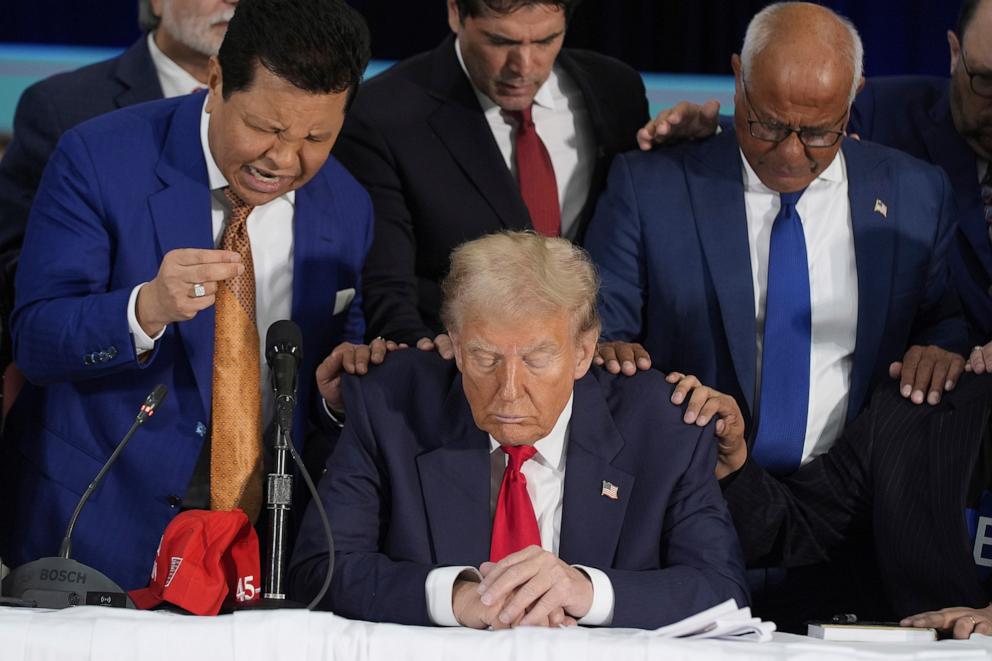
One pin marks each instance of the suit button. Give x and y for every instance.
(88, 359)
(112, 352)
(201, 429)
(174, 501)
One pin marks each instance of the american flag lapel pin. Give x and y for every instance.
(880, 208)
(610, 490)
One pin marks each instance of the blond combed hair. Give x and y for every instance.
(515, 275)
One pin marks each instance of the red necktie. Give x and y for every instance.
(514, 524)
(536, 177)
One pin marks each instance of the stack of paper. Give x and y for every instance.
(725, 621)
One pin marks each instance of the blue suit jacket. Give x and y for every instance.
(119, 192)
(913, 113)
(49, 108)
(670, 238)
(408, 490)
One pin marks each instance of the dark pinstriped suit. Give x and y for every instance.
(901, 470)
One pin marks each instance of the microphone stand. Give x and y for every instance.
(279, 496)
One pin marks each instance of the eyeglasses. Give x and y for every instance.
(981, 81)
(776, 132)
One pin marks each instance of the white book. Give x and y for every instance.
(870, 633)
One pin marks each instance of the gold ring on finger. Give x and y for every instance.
(199, 291)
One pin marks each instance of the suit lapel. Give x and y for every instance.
(716, 191)
(136, 73)
(874, 236)
(591, 522)
(454, 479)
(461, 126)
(948, 149)
(181, 216)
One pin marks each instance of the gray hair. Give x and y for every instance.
(147, 20)
(761, 32)
(511, 275)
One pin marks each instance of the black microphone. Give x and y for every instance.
(283, 351)
(60, 582)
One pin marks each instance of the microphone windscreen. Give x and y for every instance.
(283, 336)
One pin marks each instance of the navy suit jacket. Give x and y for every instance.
(670, 238)
(119, 192)
(408, 489)
(49, 108)
(913, 113)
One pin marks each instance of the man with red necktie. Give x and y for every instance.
(517, 485)
(499, 127)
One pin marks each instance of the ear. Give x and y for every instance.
(954, 45)
(454, 18)
(861, 85)
(585, 352)
(215, 84)
(456, 346)
(156, 7)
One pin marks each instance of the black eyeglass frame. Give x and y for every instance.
(785, 131)
(987, 94)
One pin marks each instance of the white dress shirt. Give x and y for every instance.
(825, 211)
(562, 121)
(270, 229)
(175, 80)
(545, 474)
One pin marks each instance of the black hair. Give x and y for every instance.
(320, 46)
(965, 16)
(475, 8)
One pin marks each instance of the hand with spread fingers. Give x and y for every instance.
(534, 587)
(626, 357)
(703, 405)
(441, 344)
(960, 622)
(926, 373)
(980, 360)
(684, 121)
(351, 359)
(186, 284)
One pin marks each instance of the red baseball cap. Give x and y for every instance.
(204, 559)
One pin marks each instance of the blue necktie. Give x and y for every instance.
(784, 399)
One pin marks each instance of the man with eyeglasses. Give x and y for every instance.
(779, 262)
(948, 122)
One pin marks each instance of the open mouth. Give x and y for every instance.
(262, 181)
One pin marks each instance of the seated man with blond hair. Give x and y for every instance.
(518, 485)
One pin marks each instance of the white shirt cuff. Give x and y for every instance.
(601, 612)
(330, 414)
(142, 343)
(438, 587)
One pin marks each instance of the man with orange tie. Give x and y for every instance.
(497, 128)
(164, 240)
(517, 485)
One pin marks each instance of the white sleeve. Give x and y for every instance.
(601, 612)
(439, 586)
(142, 343)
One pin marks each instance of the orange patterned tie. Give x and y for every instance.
(236, 427)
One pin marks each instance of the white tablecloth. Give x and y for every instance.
(108, 635)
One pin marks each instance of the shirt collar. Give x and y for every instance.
(836, 172)
(546, 96)
(551, 448)
(215, 177)
(175, 80)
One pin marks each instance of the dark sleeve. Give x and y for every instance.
(799, 520)
(615, 243)
(939, 320)
(389, 283)
(366, 585)
(36, 131)
(701, 556)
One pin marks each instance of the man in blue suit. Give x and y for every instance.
(948, 122)
(164, 239)
(684, 240)
(517, 485)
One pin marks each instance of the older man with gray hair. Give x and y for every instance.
(518, 485)
(781, 263)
